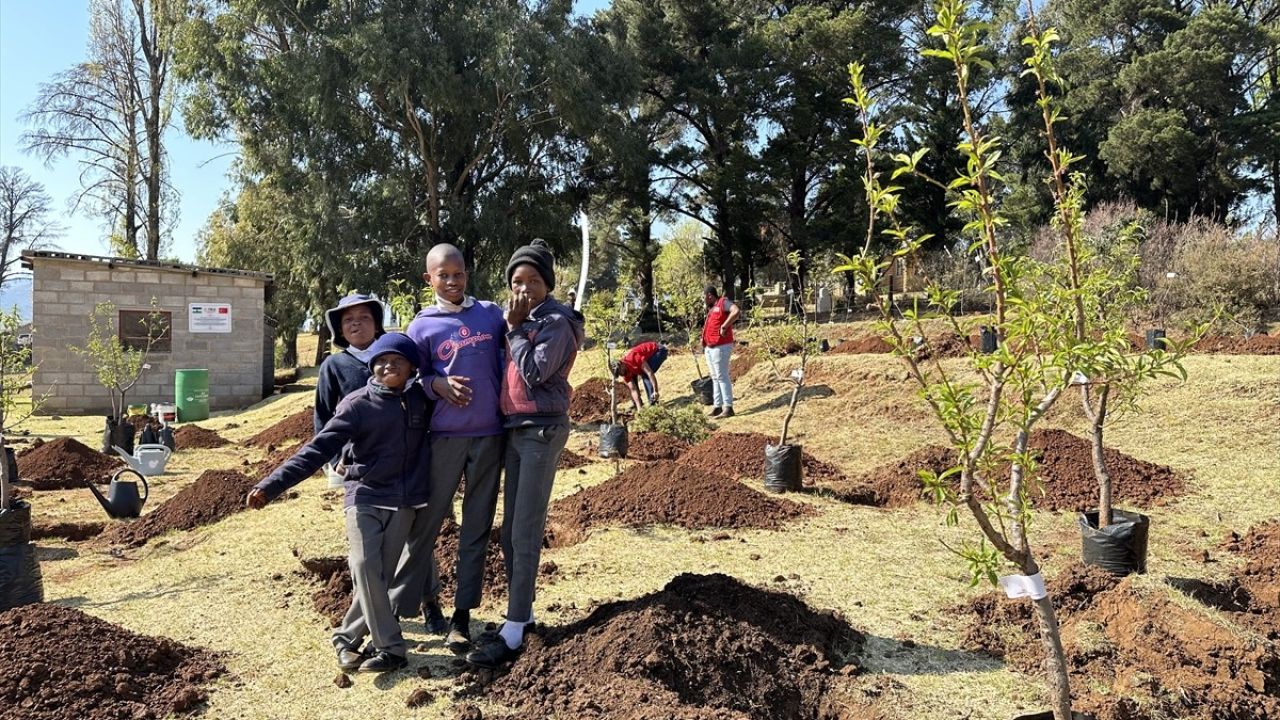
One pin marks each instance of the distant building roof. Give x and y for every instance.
(29, 257)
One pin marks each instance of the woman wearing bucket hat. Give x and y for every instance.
(354, 324)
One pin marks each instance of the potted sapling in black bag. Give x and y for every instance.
(609, 316)
(118, 364)
(20, 579)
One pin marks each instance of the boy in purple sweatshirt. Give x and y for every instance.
(461, 340)
(543, 337)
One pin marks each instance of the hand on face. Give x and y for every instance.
(528, 290)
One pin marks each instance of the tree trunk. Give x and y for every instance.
(791, 411)
(289, 342)
(322, 346)
(1055, 659)
(1099, 461)
(155, 167)
(4, 477)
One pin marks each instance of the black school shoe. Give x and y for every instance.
(384, 661)
(458, 640)
(433, 619)
(491, 651)
(350, 658)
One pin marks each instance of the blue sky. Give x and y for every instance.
(41, 38)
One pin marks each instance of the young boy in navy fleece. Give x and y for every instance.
(383, 428)
(462, 343)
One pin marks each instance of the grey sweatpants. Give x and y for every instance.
(375, 540)
(480, 459)
(532, 455)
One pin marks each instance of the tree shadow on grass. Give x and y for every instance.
(808, 392)
(52, 554)
(194, 585)
(907, 657)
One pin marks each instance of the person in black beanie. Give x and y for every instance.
(543, 336)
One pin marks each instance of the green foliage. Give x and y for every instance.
(680, 277)
(609, 319)
(16, 372)
(1229, 281)
(117, 367)
(405, 303)
(686, 422)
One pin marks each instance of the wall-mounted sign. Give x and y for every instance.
(209, 317)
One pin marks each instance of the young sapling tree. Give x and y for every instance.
(119, 367)
(15, 383)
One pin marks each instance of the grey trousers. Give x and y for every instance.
(532, 455)
(375, 540)
(480, 460)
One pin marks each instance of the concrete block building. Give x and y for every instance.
(214, 318)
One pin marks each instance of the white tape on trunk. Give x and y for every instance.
(1016, 586)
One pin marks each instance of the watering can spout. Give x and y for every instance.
(102, 500)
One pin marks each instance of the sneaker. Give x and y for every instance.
(350, 658)
(384, 661)
(433, 618)
(491, 651)
(459, 638)
(728, 413)
(715, 412)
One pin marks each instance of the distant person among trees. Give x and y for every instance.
(462, 343)
(543, 337)
(717, 345)
(354, 324)
(640, 364)
(384, 428)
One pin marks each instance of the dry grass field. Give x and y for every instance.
(234, 587)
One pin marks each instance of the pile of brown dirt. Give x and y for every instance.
(1065, 475)
(1237, 345)
(334, 597)
(667, 492)
(655, 446)
(741, 364)
(298, 426)
(1135, 654)
(74, 531)
(589, 404)
(57, 663)
(274, 459)
(141, 421)
(64, 463)
(862, 345)
(194, 437)
(213, 496)
(949, 345)
(1251, 596)
(705, 646)
(895, 484)
(570, 460)
(741, 455)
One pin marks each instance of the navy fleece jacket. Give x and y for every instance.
(387, 448)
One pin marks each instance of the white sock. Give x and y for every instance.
(512, 633)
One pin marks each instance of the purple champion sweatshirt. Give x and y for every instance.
(471, 343)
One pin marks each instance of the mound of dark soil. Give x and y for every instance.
(741, 455)
(274, 459)
(74, 531)
(668, 493)
(655, 446)
(896, 484)
(1065, 474)
(213, 496)
(298, 426)
(64, 463)
(334, 597)
(570, 460)
(194, 437)
(1237, 345)
(705, 646)
(741, 364)
(1251, 596)
(1135, 654)
(862, 345)
(57, 663)
(141, 421)
(589, 404)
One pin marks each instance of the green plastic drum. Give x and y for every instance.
(191, 389)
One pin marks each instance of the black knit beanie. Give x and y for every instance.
(537, 254)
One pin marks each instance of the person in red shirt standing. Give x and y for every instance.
(717, 345)
(641, 363)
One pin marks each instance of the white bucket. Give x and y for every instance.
(165, 412)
